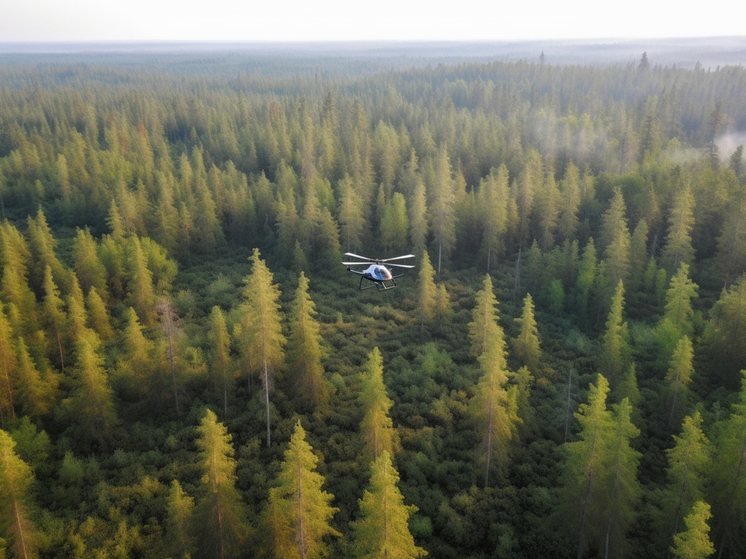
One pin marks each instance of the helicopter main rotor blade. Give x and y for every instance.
(358, 256)
(368, 263)
(397, 258)
(399, 266)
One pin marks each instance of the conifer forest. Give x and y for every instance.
(188, 370)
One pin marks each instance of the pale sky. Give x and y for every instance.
(346, 20)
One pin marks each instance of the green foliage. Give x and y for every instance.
(16, 478)
(381, 530)
(526, 345)
(376, 426)
(694, 543)
(299, 511)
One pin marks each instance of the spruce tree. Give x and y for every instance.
(622, 487)
(179, 540)
(617, 241)
(426, 293)
(615, 352)
(8, 370)
(689, 462)
(483, 326)
(441, 210)
(220, 516)
(16, 478)
(382, 531)
(298, 514)
(376, 426)
(54, 317)
(220, 344)
(304, 351)
(680, 374)
(526, 345)
(677, 247)
(262, 328)
(681, 291)
(694, 542)
(586, 468)
(494, 408)
(493, 198)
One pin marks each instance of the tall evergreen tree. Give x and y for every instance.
(623, 488)
(586, 468)
(680, 374)
(299, 510)
(220, 343)
(8, 366)
(678, 248)
(689, 461)
(261, 323)
(615, 352)
(483, 328)
(304, 350)
(16, 478)
(442, 204)
(493, 198)
(694, 542)
(179, 540)
(616, 241)
(220, 514)
(376, 426)
(526, 345)
(427, 292)
(494, 407)
(382, 529)
(681, 291)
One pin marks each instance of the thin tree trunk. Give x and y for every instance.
(266, 400)
(21, 536)
(673, 408)
(581, 536)
(489, 447)
(567, 407)
(518, 272)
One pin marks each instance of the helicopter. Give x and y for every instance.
(376, 272)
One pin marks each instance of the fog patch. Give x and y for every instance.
(727, 143)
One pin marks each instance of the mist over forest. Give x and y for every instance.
(187, 369)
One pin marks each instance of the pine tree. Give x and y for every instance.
(299, 511)
(16, 478)
(376, 426)
(729, 474)
(35, 395)
(615, 352)
(680, 373)
(694, 542)
(493, 198)
(179, 540)
(623, 488)
(678, 248)
(526, 345)
(98, 317)
(261, 324)
(220, 343)
(569, 202)
(140, 284)
(616, 241)
(304, 351)
(8, 366)
(585, 468)
(418, 218)
(220, 515)
(681, 291)
(41, 245)
(394, 225)
(586, 278)
(382, 531)
(484, 327)
(351, 221)
(54, 316)
(688, 463)
(441, 210)
(92, 402)
(494, 408)
(427, 292)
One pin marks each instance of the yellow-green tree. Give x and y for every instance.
(377, 428)
(483, 326)
(382, 530)
(220, 514)
(494, 407)
(16, 478)
(426, 292)
(526, 345)
(179, 540)
(615, 352)
(304, 351)
(299, 510)
(680, 373)
(262, 327)
(8, 368)
(694, 542)
(220, 343)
